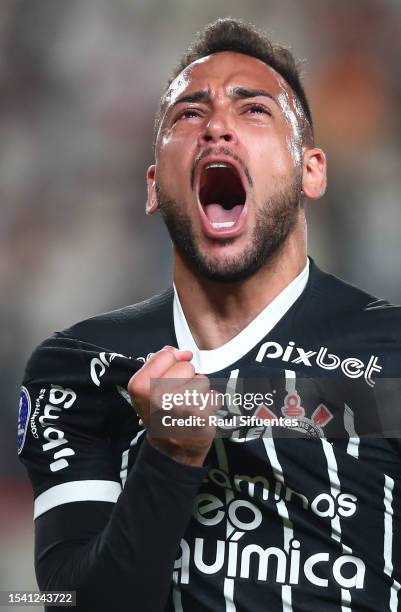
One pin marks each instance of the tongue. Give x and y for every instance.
(218, 214)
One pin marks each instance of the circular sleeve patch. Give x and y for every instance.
(23, 417)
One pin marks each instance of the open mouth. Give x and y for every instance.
(221, 195)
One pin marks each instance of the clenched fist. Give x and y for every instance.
(189, 435)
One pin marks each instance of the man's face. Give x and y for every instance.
(228, 165)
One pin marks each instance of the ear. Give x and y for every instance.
(151, 204)
(314, 179)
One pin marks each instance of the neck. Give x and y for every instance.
(216, 312)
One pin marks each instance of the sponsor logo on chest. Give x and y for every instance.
(352, 367)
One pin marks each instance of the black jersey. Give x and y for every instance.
(294, 518)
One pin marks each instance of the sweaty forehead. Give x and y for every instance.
(225, 70)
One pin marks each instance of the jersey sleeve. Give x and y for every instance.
(64, 438)
(114, 546)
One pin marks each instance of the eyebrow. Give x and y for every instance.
(245, 92)
(236, 93)
(196, 96)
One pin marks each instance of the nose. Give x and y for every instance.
(217, 130)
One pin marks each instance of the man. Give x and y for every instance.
(134, 516)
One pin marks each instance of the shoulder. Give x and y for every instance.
(133, 328)
(113, 327)
(350, 306)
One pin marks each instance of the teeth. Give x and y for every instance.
(223, 224)
(217, 165)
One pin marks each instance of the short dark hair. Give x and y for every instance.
(236, 36)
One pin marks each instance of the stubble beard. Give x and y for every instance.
(274, 223)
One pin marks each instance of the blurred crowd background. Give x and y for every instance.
(79, 86)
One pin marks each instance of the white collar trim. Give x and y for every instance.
(217, 359)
